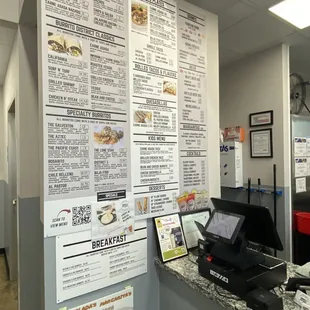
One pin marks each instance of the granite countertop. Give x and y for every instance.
(186, 270)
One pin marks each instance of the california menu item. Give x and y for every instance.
(56, 43)
(139, 14)
(108, 136)
(169, 88)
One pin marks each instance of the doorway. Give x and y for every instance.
(11, 201)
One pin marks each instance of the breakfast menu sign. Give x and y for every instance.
(124, 108)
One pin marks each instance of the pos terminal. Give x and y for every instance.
(230, 262)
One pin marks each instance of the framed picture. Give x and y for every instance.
(261, 119)
(261, 143)
(170, 237)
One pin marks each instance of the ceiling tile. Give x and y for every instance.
(296, 39)
(265, 3)
(235, 14)
(259, 31)
(214, 6)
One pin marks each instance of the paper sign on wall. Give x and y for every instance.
(154, 107)
(122, 300)
(83, 265)
(85, 108)
(308, 147)
(300, 146)
(193, 129)
(301, 167)
(301, 185)
(112, 218)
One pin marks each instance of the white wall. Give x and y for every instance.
(252, 85)
(9, 94)
(9, 10)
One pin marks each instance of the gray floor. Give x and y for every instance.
(8, 289)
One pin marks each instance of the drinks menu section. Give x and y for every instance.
(86, 128)
(192, 52)
(154, 100)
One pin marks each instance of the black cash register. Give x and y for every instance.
(229, 262)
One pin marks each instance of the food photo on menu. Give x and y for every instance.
(142, 206)
(139, 16)
(143, 117)
(169, 88)
(62, 44)
(193, 200)
(108, 136)
(111, 218)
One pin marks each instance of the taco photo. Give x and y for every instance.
(169, 88)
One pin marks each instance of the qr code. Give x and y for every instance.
(81, 215)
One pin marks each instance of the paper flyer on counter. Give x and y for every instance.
(112, 218)
(192, 84)
(154, 103)
(301, 167)
(122, 300)
(85, 107)
(300, 146)
(170, 237)
(84, 265)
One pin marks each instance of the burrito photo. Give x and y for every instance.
(56, 43)
(73, 47)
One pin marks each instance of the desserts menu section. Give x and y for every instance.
(86, 113)
(154, 97)
(192, 109)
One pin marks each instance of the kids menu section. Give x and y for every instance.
(124, 120)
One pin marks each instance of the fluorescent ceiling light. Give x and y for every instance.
(296, 12)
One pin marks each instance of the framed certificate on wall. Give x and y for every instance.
(261, 143)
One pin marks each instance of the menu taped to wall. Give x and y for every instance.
(85, 107)
(122, 300)
(154, 98)
(83, 265)
(192, 61)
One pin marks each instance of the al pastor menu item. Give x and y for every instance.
(170, 237)
(154, 105)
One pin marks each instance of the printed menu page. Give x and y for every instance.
(86, 111)
(192, 61)
(154, 97)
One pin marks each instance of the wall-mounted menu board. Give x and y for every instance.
(124, 108)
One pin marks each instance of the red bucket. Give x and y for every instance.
(303, 222)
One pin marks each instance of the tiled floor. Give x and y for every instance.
(8, 290)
